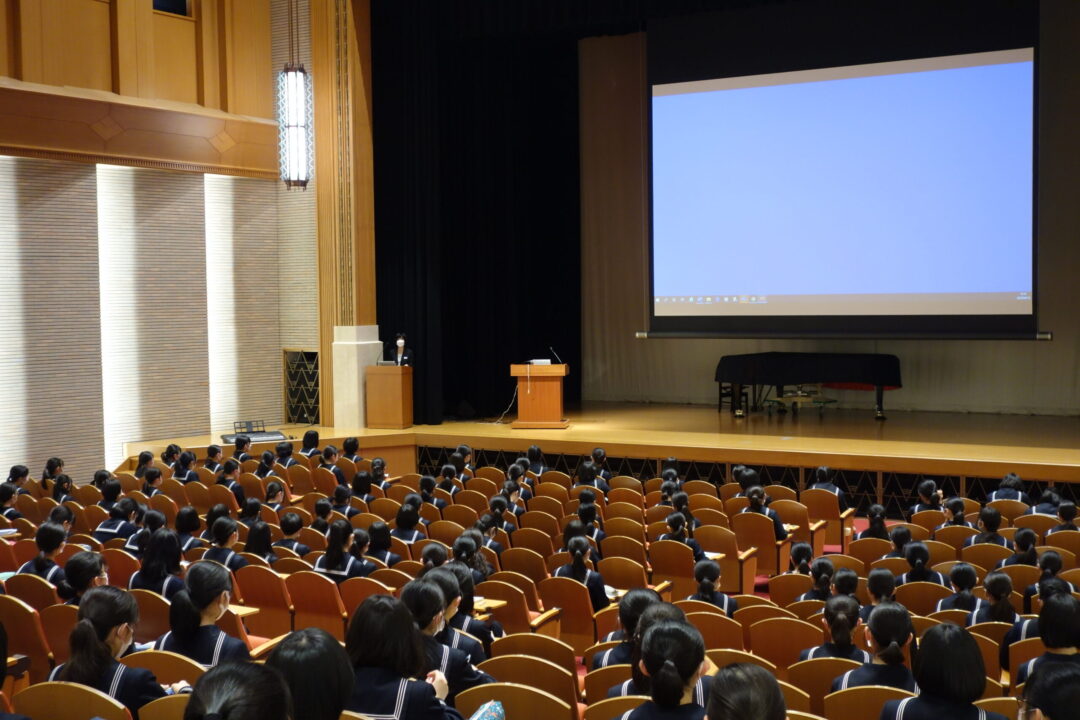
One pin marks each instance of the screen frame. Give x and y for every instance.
(960, 327)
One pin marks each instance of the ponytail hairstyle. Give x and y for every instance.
(488, 522)
(672, 654)
(203, 585)
(498, 507)
(845, 582)
(274, 488)
(241, 691)
(680, 502)
(144, 462)
(259, 541)
(963, 578)
(579, 549)
(465, 582)
(587, 514)
(875, 514)
(379, 534)
(631, 607)
(801, 557)
(361, 484)
(1025, 541)
(447, 475)
(998, 589)
(49, 538)
(842, 616)
(62, 487)
(744, 691)
(707, 574)
(676, 523)
(266, 462)
(186, 460)
(917, 556)
(338, 538)
(509, 489)
(756, 496)
(251, 508)
(150, 478)
(427, 488)
(1050, 563)
(748, 478)
(170, 454)
(329, 452)
(821, 570)
(900, 537)
(82, 569)
(890, 626)
(955, 508)
(654, 614)
(670, 475)
(881, 584)
(514, 473)
(425, 601)
(1049, 497)
(222, 529)
(668, 488)
(52, 467)
(928, 491)
(464, 550)
(824, 474)
(101, 479)
(1067, 511)
(433, 555)
(153, 520)
(216, 511)
(990, 518)
(100, 610)
(161, 556)
(360, 542)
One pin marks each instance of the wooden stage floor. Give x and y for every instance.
(955, 444)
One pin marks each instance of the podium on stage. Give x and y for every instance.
(540, 396)
(389, 401)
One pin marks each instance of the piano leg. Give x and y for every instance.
(879, 410)
(780, 409)
(736, 400)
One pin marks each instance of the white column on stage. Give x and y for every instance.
(354, 349)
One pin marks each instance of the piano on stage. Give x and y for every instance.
(848, 371)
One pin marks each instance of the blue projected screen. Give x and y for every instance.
(899, 188)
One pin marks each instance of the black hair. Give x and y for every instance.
(464, 549)
(1067, 511)
(457, 460)
(82, 569)
(101, 477)
(446, 581)
(964, 578)
(161, 556)
(187, 519)
(498, 506)
(670, 475)
(144, 461)
(998, 589)
(425, 601)
(579, 549)
(1011, 481)
(900, 537)
(317, 672)
(680, 502)
(383, 634)
(1049, 586)
(323, 508)
(274, 488)
(52, 467)
(170, 453)
(240, 691)
(801, 557)
(676, 523)
(1049, 497)
(1025, 541)
(151, 477)
(434, 555)
(756, 496)
(654, 614)
(283, 449)
(1059, 621)
(707, 574)
(586, 473)
(824, 474)
(574, 528)
(949, 665)
(62, 486)
(534, 454)
(350, 445)
(488, 522)
(748, 478)
(514, 474)
(669, 463)
(8, 490)
(291, 523)
(845, 582)
(251, 508)
(955, 508)
(632, 605)
(242, 442)
(464, 576)
(1054, 690)
(918, 557)
(266, 462)
(668, 488)
(359, 543)
(100, 610)
(203, 584)
(259, 542)
(427, 486)
(342, 494)
(408, 517)
(875, 515)
(672, 653)
(890, 626)
(361, 484)
(328, 452)
(230, 466)
(311, 439)
(744, 691)
(928, 490)
(337, 538)
(378, 464)
(61, 514)
(111, 491)
(1050, 563)
(821, 570)
(881, 584)
(587, 497)
(186, 460)
(222, 529)
(212, 451)
(587, 514)
(842, 615)
(446, 477)
(49, 538)
(379, 533)
(990, 518)
(464, 450)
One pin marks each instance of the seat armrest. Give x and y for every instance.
(815, 526)
(747, 554)
(544, 618)
(263, 650)
(847, 514)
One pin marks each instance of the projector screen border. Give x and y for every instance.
(1041, 336)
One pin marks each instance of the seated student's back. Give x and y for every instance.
(963, 579)
(576, 569)
(707, 574)
(888, 632)
(1059, 627)
(1054, 691)
(998, 607)
(337, 563)
(841, 619)
(193, 614)
(744, 691)
(317, 672)
(631, 606)
(241, 691)
(918, 559)
(673, 655)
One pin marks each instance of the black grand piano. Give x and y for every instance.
(849, 371)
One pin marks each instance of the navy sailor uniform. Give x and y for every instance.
(459, 640)
(593, 582)
(51, 572)
(832, 650)
(166, 589)
(226, 557)
(897, 676)
(380, 694)
(132, 687)
(454, 664)
(112, 528)
(210, 646)
(699, 696)
(618, 655)
(928, 707)
(349, 567)
(651, 711)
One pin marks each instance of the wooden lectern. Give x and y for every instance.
(388, 396)
(539, 396)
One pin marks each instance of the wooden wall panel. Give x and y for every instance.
(247, 43)
(175, 61)
(66, 42)
(8, 32)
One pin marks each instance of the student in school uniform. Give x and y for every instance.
(466, 551)
(887, 632)
(266, 464)
(450, 636)
(342, 495)
(110, 493)
(954, 514)
(323, 508)
(310, 443)
(193, 614)
(427, 604)
(1047, 505)
(259, 542)
(103, 634)
(673, 658)
(963, 579)
(379, 475)
(466, 454)
(1024, 552)
(328, 461)
(62, 488)
(215, 511)
(899, 536)
(119, 524)
(447, 475)
(707, 574)
(676, 523)
(631, 606)
(756, 496)
(170, 455)
(821, 572)
(84, 570)
(918, 559)
(20, 474)
(184, 471)
(744, 691)
(187, 526)
(950, 676)
(406, 520)
(379, 548)
(499, 508)
(275, 495)
(291, 525)
(8, 494)
(316, 670)
(997, 607)
(350, 449)
(1051, 564)
(361, 486)
(1010, 488)
(143, 462)
(488, 524)
(588, 475)
(224, 536)
(50, 539)
(387, 653)
(841, 619)
(825, 479)
(930, 497)
(1059, 626)
(590, 519)
(427, 493)
(240, 449)
(1067, 516)
(284, 450)
(579, 548)
(250, 512)
(230, 478)
(152, 521)
(463, 620)
(214, 456)
(160, 571)
(599, 459)
(337, 563)
(536, 460)
(989, 522)
(1053, 693)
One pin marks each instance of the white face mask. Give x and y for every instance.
(400, 343)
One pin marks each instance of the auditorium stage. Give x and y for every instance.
(958, 445)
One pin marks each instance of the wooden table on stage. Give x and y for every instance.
(389, 396)
(540, 396)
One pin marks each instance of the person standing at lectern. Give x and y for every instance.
(399, 354)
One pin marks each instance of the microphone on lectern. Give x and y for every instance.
(556, 355)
